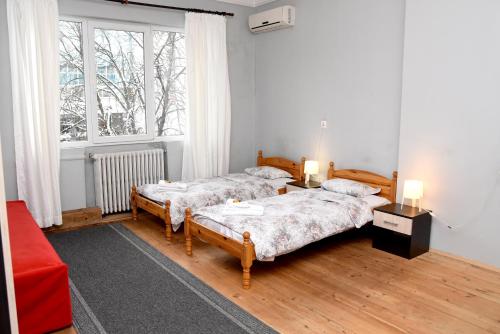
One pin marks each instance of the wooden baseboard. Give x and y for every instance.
(75, 219)
(86, 215)
(89, 217)
(122, 217)
(467, 260)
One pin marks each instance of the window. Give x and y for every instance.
(120, 82)
(170, 87)
(72, 83)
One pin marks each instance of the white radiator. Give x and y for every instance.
(115, 173)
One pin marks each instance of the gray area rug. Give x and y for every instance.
(120, 284)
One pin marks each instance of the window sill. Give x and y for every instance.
(169, 139)
(82, 145)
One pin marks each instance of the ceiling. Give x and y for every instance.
(248, 3)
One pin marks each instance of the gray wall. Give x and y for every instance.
(342, 63)
(77, 170)
(450, 120)
(74, 164)
(6, 116)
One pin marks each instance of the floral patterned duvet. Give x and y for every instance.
(211, 191)
(293, 220)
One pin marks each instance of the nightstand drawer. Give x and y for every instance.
(392, 222)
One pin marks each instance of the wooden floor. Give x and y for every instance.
(345, 286)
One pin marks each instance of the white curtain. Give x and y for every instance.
(33, 42)
(207, 135)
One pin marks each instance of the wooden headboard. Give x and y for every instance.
(387, 186)
(292, 167)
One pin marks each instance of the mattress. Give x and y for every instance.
(211, 191)
(289, 221)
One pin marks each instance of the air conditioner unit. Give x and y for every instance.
(273, 19)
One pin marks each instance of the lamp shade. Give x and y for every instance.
(413, 189)
(311, 167)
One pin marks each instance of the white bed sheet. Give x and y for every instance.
(334, 222)
(223, 230)
(373, 201)
(281, 182)
(203, 192)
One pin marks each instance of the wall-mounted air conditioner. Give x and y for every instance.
(277, 18)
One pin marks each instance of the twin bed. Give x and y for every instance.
(287, 222)
(290, 221)
(171, 205)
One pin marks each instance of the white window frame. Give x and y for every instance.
(88, 95)
(148, 75)
(165, 29)
(89, 63)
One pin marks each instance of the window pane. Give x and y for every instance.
(121, 102)
(170, 82)
(71, 82)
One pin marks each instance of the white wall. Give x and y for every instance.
(6, 259)
(450, 119)
(342, 63)
(6, 116)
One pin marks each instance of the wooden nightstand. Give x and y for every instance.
(301, 185)
(401, 231)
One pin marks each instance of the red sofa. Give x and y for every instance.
(40, 277)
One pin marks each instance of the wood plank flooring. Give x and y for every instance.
(342, 285)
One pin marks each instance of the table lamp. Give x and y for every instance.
(414, 190)
(311, 167)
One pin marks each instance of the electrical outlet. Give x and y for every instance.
(323, 124)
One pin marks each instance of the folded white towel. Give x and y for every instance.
(173, 186)
(232, 201)
(243, 209)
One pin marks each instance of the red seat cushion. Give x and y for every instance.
(40, 277)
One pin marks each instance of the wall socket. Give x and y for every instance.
(323, 125)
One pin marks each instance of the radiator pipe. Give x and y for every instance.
(91, 155)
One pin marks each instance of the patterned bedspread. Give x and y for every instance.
(211, 191)
(293, 220)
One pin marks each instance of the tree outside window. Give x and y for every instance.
(121, 106)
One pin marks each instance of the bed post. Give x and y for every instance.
(259, 158)
(331, 171)
(168, 221)
(394, 184)
(133, 201)
(302, 168)
(187, 232)
(246, 259)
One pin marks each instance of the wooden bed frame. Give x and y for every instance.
(245, 250)
(296, 169)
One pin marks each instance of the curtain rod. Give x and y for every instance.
(194, 10)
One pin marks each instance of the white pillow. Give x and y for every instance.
(349, 187)
(375, 201)
(267, 172)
